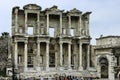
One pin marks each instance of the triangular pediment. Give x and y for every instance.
(32, 6)
(74, 10)
(54, 8)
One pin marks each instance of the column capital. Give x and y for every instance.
(26, 42)
(38, 42)
(47, 42)
(15, 41)
(80, 43)
(69, 43)
(60, 42)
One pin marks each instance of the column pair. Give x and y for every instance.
(69, 56)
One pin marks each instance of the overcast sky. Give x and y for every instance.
(105, 17)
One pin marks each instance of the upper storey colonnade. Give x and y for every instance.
(35, 21)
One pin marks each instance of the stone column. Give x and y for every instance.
(88, 33)
(69, 56)
(38, 23)
(88, 56)
(80, 57)
(56, 56)
(87, 27)
(47, 30)
(80, 24)
(25, 56)
(47, 56)
(16, 20)
(38, 56)
(61, 55)
(26, 30)
(16, 54)
(69, 25)
(60, 24)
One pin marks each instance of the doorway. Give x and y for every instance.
(104, 67)
(51, 59)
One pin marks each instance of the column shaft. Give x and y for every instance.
(80, 25)
(69, 25)
(88, 56)
(47, 24)
(38, 56)
(16, 20)
(38, 24)
(25, 56)
(47, 56)
(60, 24)
(61, 55)
(80, 57)
(26, 23)
(16, 55)
(69, 56)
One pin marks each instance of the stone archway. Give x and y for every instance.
(103, 67)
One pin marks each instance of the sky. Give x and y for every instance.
(104, 20)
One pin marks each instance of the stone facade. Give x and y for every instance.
(38, 53)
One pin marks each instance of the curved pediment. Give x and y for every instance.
(32, 6)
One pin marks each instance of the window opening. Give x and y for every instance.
(72, 32)
(30, 30)
(51, 30)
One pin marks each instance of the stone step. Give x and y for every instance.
(104, 79)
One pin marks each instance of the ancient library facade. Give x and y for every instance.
(51, 42)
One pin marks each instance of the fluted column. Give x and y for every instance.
(69, 25)
(38, 24)
(69, 55)
(61, 55)
(38, 56)
(25, 56)
(47, 30)
(47, 55)
(60, 24)
(80, 57)
(26, 31)
(16, 54)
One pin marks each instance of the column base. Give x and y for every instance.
(61, 68)
(80, 68)
(91, 69)
(38, 69)
(69, 68)
(47, 69)
(25, 69)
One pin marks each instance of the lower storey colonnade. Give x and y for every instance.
(43, 56)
